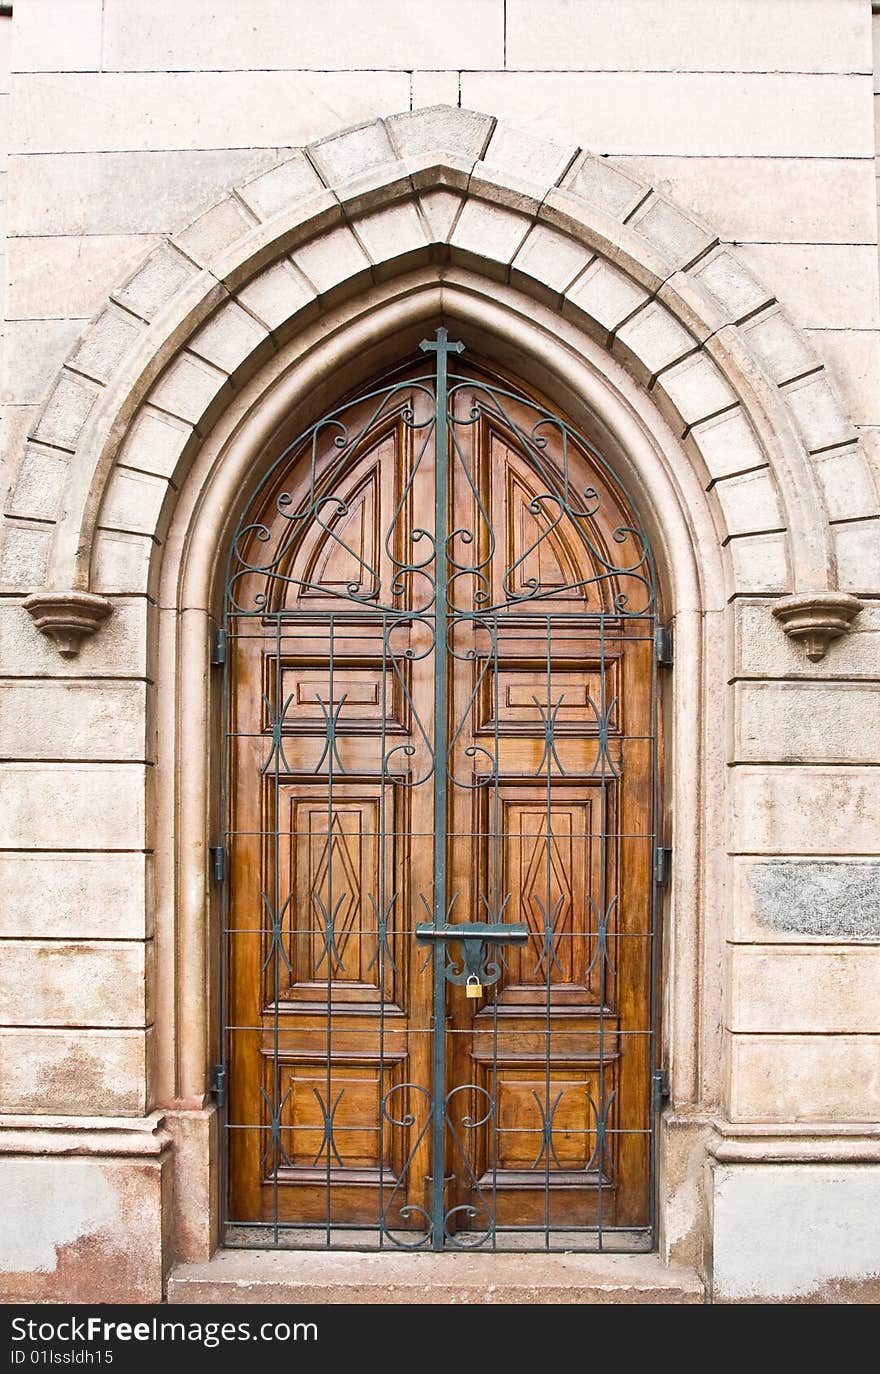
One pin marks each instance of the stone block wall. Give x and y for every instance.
(120, 120)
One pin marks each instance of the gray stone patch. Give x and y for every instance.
(836, 899)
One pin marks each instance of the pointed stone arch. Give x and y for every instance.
(437, 192)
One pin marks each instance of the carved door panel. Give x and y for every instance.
(543, 757)
(331, 847)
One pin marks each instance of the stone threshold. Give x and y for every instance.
(309, 1276)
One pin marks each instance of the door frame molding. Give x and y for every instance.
(603, 400)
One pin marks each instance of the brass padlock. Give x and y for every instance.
(473, 986)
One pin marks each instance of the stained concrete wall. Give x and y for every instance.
(125, 117)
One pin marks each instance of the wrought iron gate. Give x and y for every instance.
(440, 797)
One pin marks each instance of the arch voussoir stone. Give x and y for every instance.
(424, 188)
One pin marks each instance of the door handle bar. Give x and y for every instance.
(515, 933)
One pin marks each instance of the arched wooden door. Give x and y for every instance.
(419, 743)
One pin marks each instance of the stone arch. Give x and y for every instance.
(443, 189)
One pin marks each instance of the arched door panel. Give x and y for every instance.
(404, 725)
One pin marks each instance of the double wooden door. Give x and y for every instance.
(396, 729)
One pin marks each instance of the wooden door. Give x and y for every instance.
(547, 756)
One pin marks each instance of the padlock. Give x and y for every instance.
(473, 986)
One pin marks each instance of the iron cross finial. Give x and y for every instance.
(440, 344)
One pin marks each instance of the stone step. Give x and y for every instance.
(306, 1276)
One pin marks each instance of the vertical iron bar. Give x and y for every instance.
(601, 1106)
(276, 908)
(441, 347)
(549, 943)
(381, 930)
(330, 932)
(227, 841)
(653, 1013)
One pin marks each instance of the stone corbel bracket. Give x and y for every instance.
(67, 618)
(815, 619)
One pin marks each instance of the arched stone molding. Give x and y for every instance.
(443, 188)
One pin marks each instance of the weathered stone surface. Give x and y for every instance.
(603, 186)
(551, 258)
(24, 557)
(668, 229)
(123, 193)
(780, 347)
(72, 806)
(810, 722)
(280, 187)
(730, 114)
(73, 720)
(79, 1227)
(239, 1276)
(826, 286)
(537, 162)
(818, 990)
(462, 133)
(106, 343)
(81, 1072)
(133, 501)
(187, 387)
(760, 562)
(39, 483)
(155, 442)
(434, 88)
(804, 1077)
(441, 210)
(847, 483)
(792, 810)
(696, 389)
(852, 361)
(817, 412)
(66, 411)
(229, 338)
(761, 651)
(214, 230)
(750, 503)
(767, 199)
(277, 294)
(331, 259)
(343, 156)
(159, 36)
(34, 351)
(734, 288)
(53, 983)
(75, 896)
(796, 1232)
(653, 339)
(857, 547)
(58, 36)
(392, 232)
(114, 112)
(783, 36)
(489, 231)
(835, 900)
(163, 274)
(69, 276)
(123, 564)
(119, 650)
(606, 294)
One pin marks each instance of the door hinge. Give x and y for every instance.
(218, 862)
(659, 1089)
(663, 646)
(218, 1084)
(218, 649)
(662, 865)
